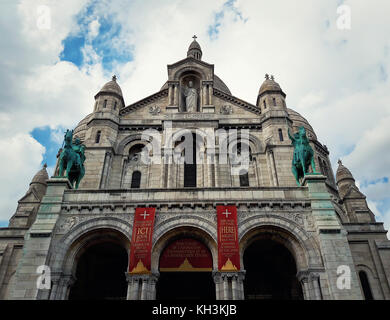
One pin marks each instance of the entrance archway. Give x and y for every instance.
(270, 272)
(100, 267)
(185, 271)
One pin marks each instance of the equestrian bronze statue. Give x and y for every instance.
(303, 154)
(72, 159)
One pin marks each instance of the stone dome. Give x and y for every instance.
(218, 84)
(271, 85)
(82, 127)
(194, 45)
(111, 87)
(343, 173)
(41, 176)
(299, 121)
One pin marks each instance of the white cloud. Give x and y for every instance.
(94, 28)
(20, 160)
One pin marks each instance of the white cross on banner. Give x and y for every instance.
(226, 213)
(144, 214)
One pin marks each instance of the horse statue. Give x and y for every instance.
(303, 154)
(72, 159)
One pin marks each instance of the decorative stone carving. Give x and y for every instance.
(154, 110)
(69, 223)
(226, 110)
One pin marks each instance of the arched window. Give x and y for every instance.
(115, 105)
(136, 180)
(105, 103)
(239, 150)
(365, 286)
(135, 152)
(98, 134)
(244, 178)
(274, 101)
(280, 134)
(264, 104)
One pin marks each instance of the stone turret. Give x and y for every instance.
(109, 98)
(344, 179)
(28, 205)
(194, 50)
(100, 131)
(270, 95)
(353, 199)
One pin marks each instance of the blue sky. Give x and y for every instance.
(337, 79)
(107, 44)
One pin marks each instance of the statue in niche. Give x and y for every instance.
(191, 97)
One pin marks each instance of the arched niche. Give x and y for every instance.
(185, 79)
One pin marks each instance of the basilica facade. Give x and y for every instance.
(183, 159)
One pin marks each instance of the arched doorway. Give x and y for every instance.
(270, 272)
(185, 271)
(100, 267)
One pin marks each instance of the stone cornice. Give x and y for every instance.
(236, 101)
(190, 59)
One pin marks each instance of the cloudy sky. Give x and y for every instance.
(56, 55)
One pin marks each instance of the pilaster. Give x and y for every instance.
(333, 241)
(38, 240)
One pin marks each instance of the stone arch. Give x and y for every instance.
(373, 280)
(197, 131)
(290, 234)
(73, 241)
(172, 230)
(254, 143)
(178, 74)
(130, 140)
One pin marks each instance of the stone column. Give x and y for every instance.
(106, 170)
(217, 281)
(170, 94)
(175, 95)
(225, 284)
(210, 102)
(271, 159)
(332, 240)
(141, 286)
(313, 278)
(65, 283)
(302, 277)
(204, 94)
(310, 285)
(226, 292)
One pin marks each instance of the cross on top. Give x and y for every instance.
(226, 213)
(266, 76)
(144, 214)
(194, 37)
(114, 77)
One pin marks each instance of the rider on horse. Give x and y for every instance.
(303, 154)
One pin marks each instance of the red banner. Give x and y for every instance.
(141, 240)
(228, 250)
(186, 255)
